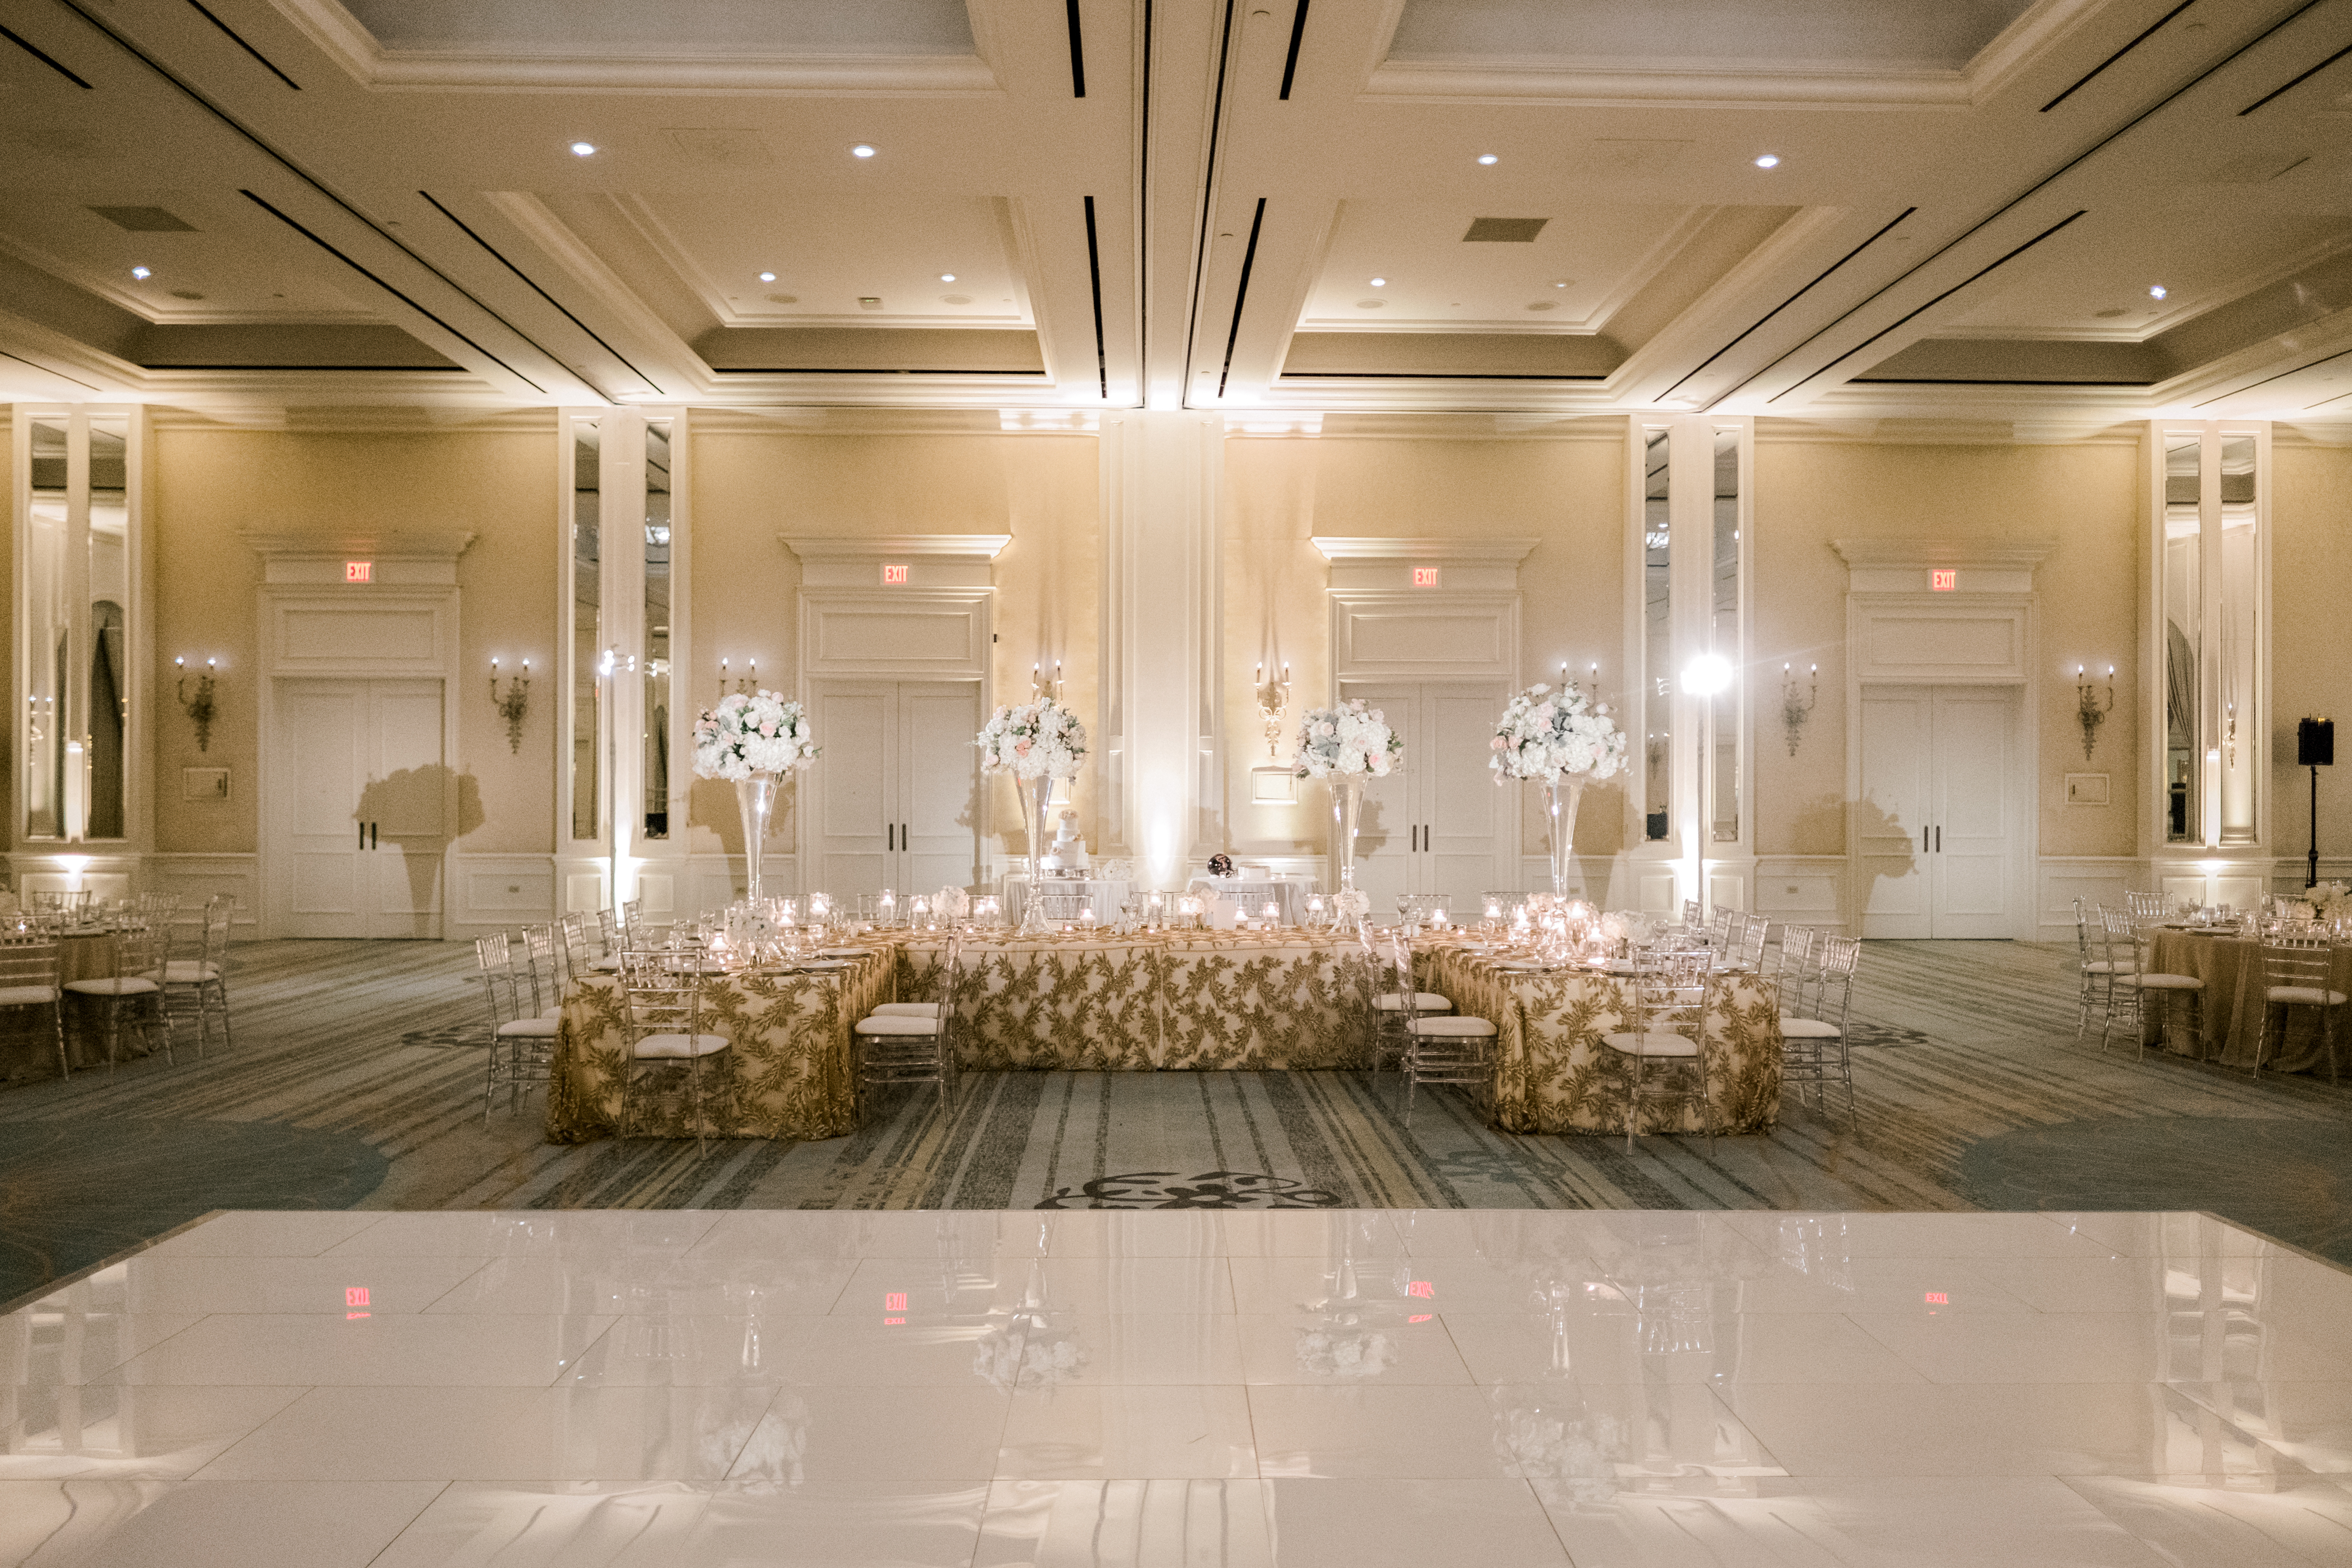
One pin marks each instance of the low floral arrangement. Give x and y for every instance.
(1033, 741)
(747, 734)
(1350, 739)
(952, 903)
(1553, 734)
(2329, 902)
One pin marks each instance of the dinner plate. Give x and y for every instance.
(845, 952)
(824, 965)
(1526, 966)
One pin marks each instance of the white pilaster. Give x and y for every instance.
(1160, 734)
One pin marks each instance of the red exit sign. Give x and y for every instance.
(894, 576)
(359, 571)
(1424, 576)
(1944, 580)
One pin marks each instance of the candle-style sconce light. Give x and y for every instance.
(1272, 697)
(1795, 708)
(1042, 689)
(513, 703)
(744, 685)
(2089, 709)
(199, 708)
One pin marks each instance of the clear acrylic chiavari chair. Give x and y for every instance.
(199, 985)
(28, 978)
(1814, 1045)
(522, 1043)
(1670, 998)
(664, 1013)
(2095, 971)
(134, 990)
(897, 1045)
(2298, 972)
(1439, 1046)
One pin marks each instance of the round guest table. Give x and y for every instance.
(2231, 967)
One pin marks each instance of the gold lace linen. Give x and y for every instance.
(1553, 1074)
(788, 1072)
(1153, 1000)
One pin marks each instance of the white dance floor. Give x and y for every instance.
(1349, 1388)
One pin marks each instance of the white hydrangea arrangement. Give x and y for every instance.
(1033, 741)
(749, 733)
(1352, 738)
(1553, 734)
(2329, 902)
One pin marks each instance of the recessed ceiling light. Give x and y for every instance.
(767, 278)
(861, 151)
(1561, 282)
(1488, 158)
(584, 149)
(947, 277)
(1769, 161)
(141, 273)
(1380, 282)
(2156, 290)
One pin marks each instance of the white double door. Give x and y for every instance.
(359, 797)
(1440, 826)
(896, 800)
(1940, 829)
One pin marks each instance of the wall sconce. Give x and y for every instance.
(2089, 710)
(513, 704)
(2229, 733)
(1796, 710)
(1272, 697)
(744, 685)
(1042, 689)
(199, 708)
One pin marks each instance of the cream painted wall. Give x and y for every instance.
(2084, 499)
(2311, 588)
(751, 486)
(211, 484)
(1280, 491)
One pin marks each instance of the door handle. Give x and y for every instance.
(905, 841)
(1922, 840)
(371, 834)
(363, 835)
(1939, 838)
(889, 835)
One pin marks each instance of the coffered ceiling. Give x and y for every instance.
(1836, 209)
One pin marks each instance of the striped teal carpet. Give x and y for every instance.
(355, 1081)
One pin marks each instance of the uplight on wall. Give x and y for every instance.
(1707, 675)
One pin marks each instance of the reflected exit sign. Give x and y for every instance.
(1944, 580)
(1424, 576)
(359, 571)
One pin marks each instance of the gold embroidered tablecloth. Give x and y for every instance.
(1153, 1000)
(789, 1072)
(1553, 1074)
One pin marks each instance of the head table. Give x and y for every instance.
(1155, 1002)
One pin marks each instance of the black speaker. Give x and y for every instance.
(2315, 743)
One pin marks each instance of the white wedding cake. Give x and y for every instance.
(1068, 852)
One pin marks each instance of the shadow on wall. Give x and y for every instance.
(1884, 847)
(422, 811)
(711, 802)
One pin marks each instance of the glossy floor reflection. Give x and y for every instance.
(1281, 1390)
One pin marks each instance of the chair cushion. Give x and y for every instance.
(528, 1029)
(131, 985)
(2167, 981)
(27, 995)
(2303, 995)
(1653, 1044)
(1451, 1029)
(906, 1010)
(1808, 1029)
(2107, 967)
(1422, 1001)
(882, 1023)
(677, 1045)
(188, 972)
(555, 1011)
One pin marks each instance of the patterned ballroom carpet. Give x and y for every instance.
(355, 1081)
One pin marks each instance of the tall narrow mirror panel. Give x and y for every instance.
(48, 631)
(75, 605)
(587, 632)
(2235, 667)
(655, 665)
(1657, 639)
(2182, 591)
(1724, 646)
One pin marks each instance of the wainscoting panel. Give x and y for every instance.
(1802, 889)
(198, 877)
(497, 891)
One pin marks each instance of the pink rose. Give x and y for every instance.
(1020, 748)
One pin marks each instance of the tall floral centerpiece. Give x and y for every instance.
(1037, 742)
(753, 739)
(1562, 739)
(1346, 745)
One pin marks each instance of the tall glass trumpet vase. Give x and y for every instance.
(1347, 815)
(755, 797)
(1561, 797)
(1036, 796)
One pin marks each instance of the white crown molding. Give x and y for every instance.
(342, 39)
(340, 420)
(405, 544)
(1957, 552)
(1334, 548)
(896, 546)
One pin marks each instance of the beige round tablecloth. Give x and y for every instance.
(2232, 968)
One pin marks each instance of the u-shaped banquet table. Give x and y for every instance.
(1160, 1001)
